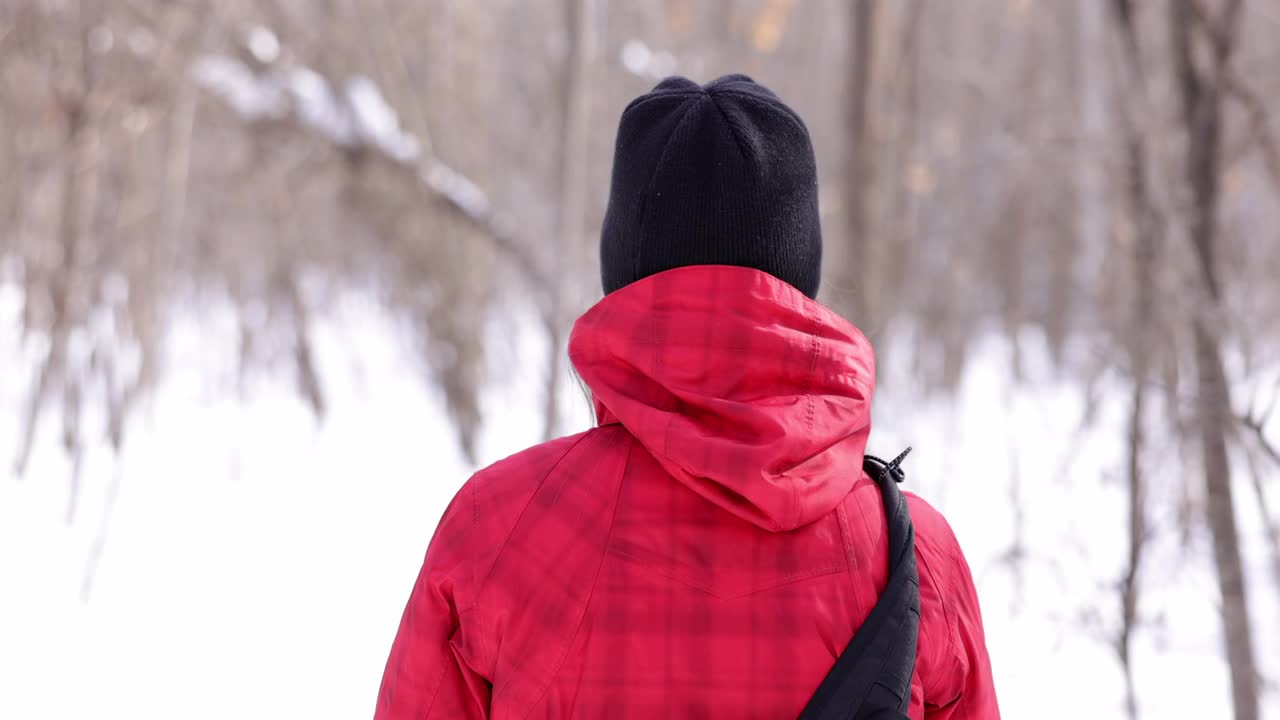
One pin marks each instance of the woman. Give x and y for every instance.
(710, 548)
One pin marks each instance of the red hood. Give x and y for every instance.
(751, 394)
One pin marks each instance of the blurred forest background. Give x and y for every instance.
(1094, 181)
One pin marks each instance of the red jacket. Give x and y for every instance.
(706, 552)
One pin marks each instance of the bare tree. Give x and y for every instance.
(1145, 230)
(1202, 93)
(79, 108)
(579, 22)
(854, 275)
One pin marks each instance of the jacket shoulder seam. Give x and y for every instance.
(509, 531)
(595, 581)
(473, 607)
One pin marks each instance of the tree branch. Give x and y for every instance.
(1259, 123)
(1255, 426)
(1271, 529)
(228, 77)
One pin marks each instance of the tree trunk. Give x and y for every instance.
(1212, 407)
(572, 170)
(78, 203)
(1146, 230)
(1145, 258)
(854, 267)
(1201, 92)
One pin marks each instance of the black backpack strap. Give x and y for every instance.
(871, 679)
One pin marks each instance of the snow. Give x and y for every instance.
(640, 60)
(264, 45)
(635, 57)
(458, 188)
(248, 94)
(360, 115)
(258, 559)
(376, 121)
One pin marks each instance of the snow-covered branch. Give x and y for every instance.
(356, 116)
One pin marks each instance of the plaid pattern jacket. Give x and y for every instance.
(707, 551)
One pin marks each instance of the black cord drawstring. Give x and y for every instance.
(892, 467)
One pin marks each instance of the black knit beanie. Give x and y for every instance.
(718, 174)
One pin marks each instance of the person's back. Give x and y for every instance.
(711, 547)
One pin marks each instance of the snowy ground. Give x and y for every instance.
(258, 560)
